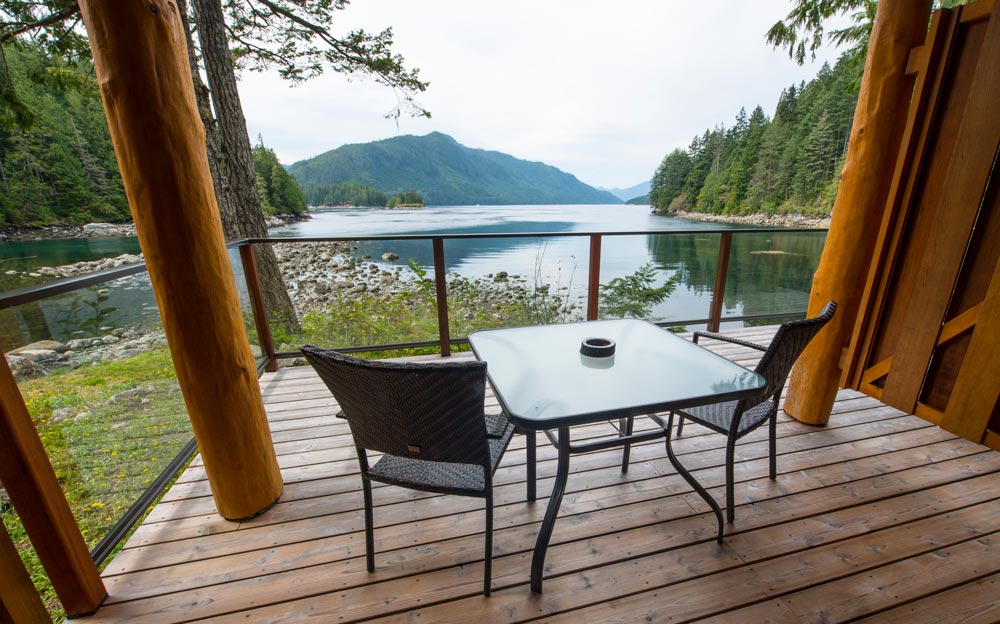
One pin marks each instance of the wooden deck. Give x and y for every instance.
(879, 517)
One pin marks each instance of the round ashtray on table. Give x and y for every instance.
(597, 347)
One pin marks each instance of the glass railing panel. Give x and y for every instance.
(246, 309)
(97, 377)
(660, 288)
(512, 282)
(770, 273)
(355, 294)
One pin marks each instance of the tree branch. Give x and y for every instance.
(23, 27)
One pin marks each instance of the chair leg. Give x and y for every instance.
(488, 573)
(625, 425)
(680, 426)
(730, 456)
(691, 480)
(774, 435)
(530, 445)
(369, 525)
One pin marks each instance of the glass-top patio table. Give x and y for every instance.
(543, 383)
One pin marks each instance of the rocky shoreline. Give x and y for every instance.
(105, 230)
(53, 232)
(764, 220)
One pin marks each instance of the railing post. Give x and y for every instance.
(34, 489)
(441, 288)
(257, 306)
(721, 272)
(19, 600)
(594, 277)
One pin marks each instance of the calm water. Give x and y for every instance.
(769, 272)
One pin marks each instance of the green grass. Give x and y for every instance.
(112, 447)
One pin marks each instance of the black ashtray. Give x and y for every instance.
(597, 347)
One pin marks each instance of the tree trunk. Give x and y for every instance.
(202, 97)
(237, 158)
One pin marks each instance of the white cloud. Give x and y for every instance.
(599, 90)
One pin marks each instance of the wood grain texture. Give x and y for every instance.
(34, 489)
(19, 600)
(142, 69)
(861, 497)
(954, 214)
(879, 121)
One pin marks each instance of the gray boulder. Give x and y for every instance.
(24, 368)
(100, 230)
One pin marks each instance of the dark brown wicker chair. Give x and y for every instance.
(735, 419)
(429, 423)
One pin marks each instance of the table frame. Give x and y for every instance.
(561, 441)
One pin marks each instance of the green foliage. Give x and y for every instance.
(642, 200)
(785, 164)
(447, 173)
(344, 194)
(279, 192)
(63, 170)
(407, 199)
(394, 318)
(634, 295)
(113, 447)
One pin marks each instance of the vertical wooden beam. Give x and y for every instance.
(140, 59)
(594, 277)
(260, 319)
(34, 490)
(955, 213)
(441, 290)
(721, 273)
(879, 121)
(19, 600)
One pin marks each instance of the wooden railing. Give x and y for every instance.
(445, 340)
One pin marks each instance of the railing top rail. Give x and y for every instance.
(65, 285)
(431, 236)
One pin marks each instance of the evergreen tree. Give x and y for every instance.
(668, 181)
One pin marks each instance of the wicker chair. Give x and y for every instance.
(735, 419)
(429, 423)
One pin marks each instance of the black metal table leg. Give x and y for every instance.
(555, 500)
(529, 437)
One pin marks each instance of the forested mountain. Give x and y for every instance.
(445, 172)
(786, 164)
(63, 170)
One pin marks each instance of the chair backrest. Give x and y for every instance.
(789, 342)
(431, 411)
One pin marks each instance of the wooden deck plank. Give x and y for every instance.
(877, 501)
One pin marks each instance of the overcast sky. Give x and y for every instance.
(601, 90)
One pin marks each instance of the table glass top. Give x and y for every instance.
(542, 379)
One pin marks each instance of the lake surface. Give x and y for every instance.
(769, 272)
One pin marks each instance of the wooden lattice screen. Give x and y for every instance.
(928, 336)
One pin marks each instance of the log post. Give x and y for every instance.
(141, 63)
(19, 600)
(34, 490)
(879, 120)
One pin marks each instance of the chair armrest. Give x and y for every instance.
(724, 338)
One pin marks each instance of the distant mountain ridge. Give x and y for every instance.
(445, 172)
(631, 192)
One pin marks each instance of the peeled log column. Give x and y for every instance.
(879, 118)
(142, 69)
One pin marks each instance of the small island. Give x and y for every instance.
(410, 200)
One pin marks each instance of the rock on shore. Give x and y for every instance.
(765, 220)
